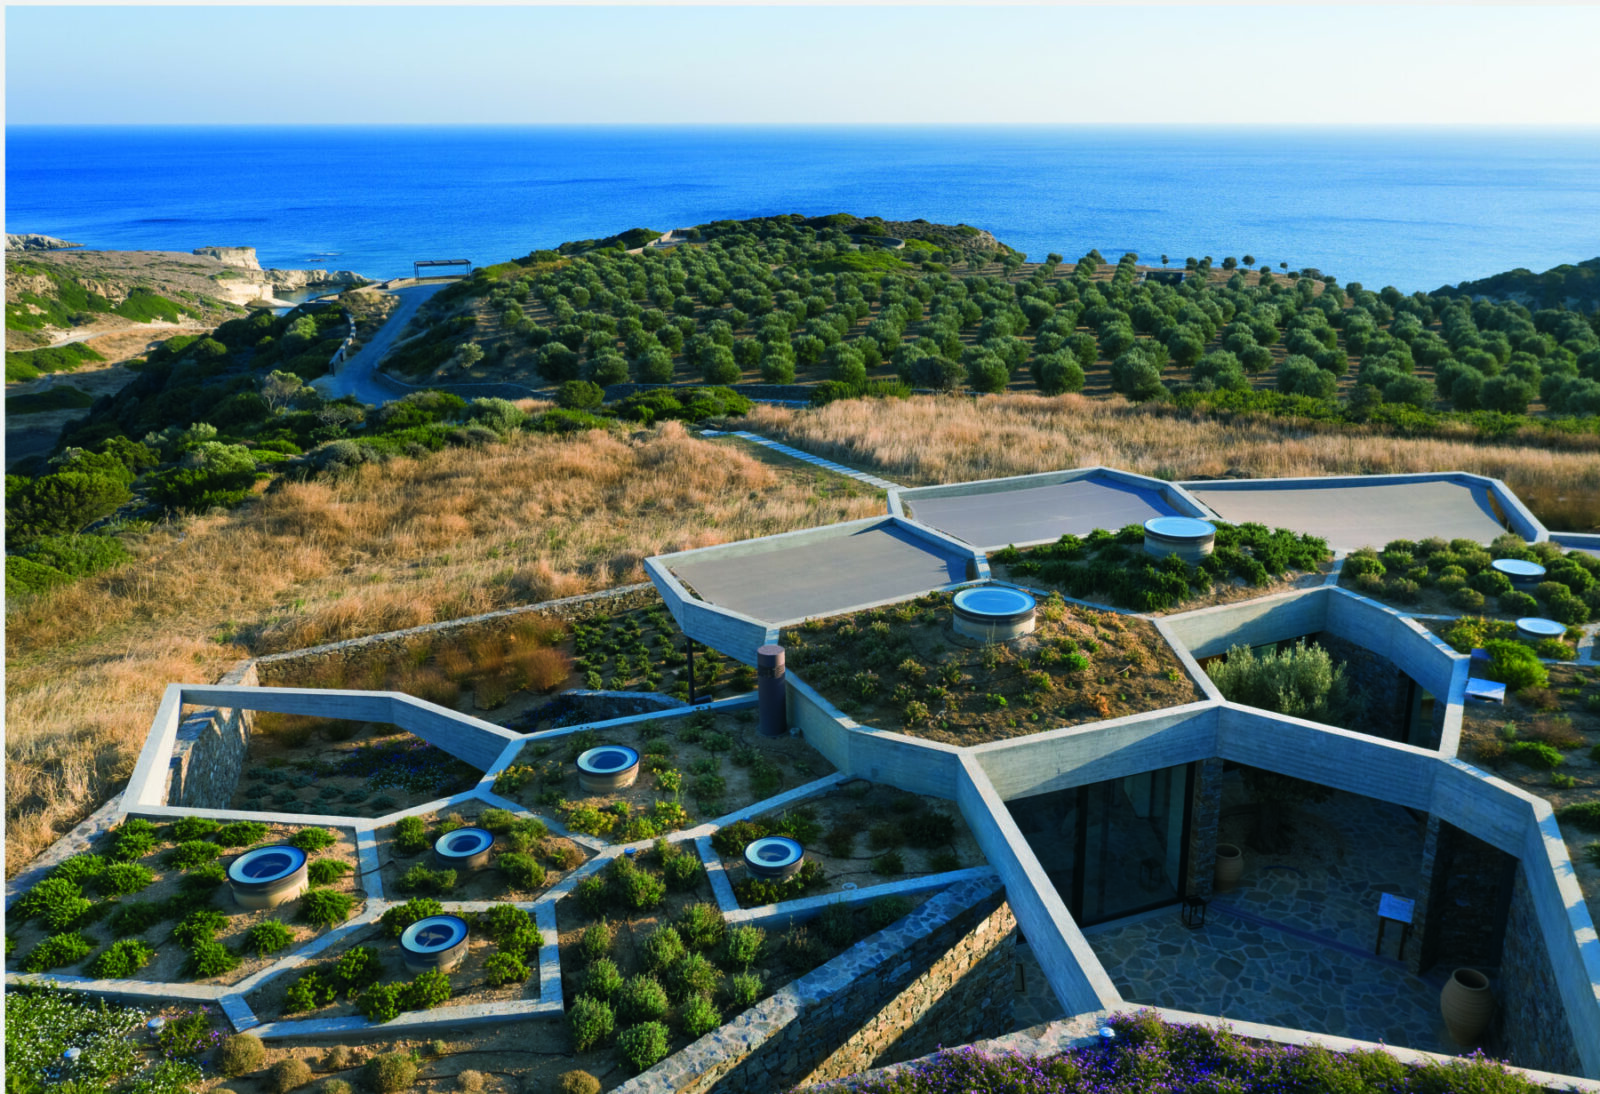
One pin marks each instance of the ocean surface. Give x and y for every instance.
(1413, 208)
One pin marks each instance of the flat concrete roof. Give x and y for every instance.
(1349, 517)
(1039, 513)
(821, 576)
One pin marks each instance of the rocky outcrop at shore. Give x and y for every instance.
(32, 241)
(242, 258)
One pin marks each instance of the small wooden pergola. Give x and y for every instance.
(433, 263)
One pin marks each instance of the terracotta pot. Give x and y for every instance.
(1466, 1003)
(1230, 867)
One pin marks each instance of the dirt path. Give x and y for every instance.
(358, 375)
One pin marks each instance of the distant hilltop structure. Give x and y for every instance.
(32, 241)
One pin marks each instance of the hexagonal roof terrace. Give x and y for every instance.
(995, 513)
(1349, 514)
(790, 577)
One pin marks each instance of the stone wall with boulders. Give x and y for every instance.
(843, 1017)
(1530, 1025)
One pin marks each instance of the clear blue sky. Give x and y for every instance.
(1312, 63)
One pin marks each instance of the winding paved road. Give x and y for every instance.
(357, 375)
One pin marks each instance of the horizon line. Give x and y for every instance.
(1391, 125)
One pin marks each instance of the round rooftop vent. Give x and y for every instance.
(1523, 574)
(1186, 537)
(437, 942)
(267, 876)
(993, 613)
(774, 856)
(465, 847)
(607, 768)
(1531, 628)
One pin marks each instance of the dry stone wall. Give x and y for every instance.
(1530, 1023)
(210, 750)
(819, 1025)
(968, 992)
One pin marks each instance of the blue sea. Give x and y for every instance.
(1413, 208)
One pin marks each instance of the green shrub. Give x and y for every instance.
(596, 941)
(591, 1022)
(308, 993)
(699, 1016)
(744, 988)
(79, 868)
(662, 949)
(332, 1086)
(505, 921)
(641, 999)
(643, 1045)
(55, 900)
(133, 917)
(193, 828)
(268, 936)
(889, 864)
(420, 879)
(410, 836)
(134, 839)
(312, 840)
(744, 945)
(577, 1082)
(289, 1074)
(522, 871)
(592, 894)
(326, 871)
(504, 968)
(357, 969)
(209, 958)
(200, 925)
(383, 1002)
(240, 834)
(1515, 665)
(1584, 815)
(390, 1073)
(426, 991)
(401, 916)
(701, 926)
(603, 980)
(693, 974)
(1301, 681)
(240, 1054)
(123, 879)
(640, 890)
(67, 948)
(757, 892)
(1518, 603)
(193, 853)
(683, 872)
(1535, 754)
(326, 907)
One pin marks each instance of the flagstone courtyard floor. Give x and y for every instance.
(1293, 944)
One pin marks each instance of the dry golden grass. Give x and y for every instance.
(410, 542)
(928, 440)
